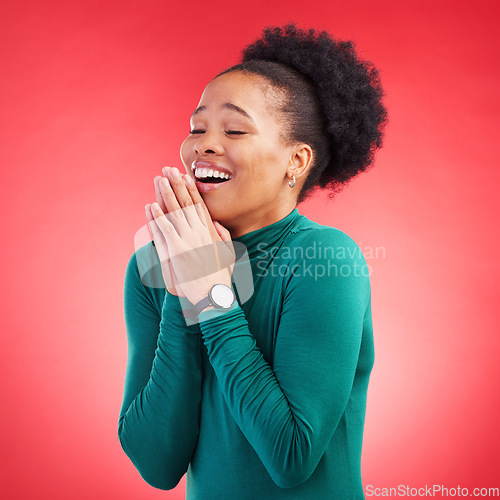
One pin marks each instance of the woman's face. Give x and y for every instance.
(234, 130)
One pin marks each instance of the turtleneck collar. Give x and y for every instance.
(259, 240)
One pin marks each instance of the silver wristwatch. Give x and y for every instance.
(220, 296)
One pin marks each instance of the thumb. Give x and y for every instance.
(222, 231)
(225, 236)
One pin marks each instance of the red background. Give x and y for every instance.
(95, 98)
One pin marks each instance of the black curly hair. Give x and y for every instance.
(332, 100)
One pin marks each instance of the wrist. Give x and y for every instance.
(208, 308)
(220, 296)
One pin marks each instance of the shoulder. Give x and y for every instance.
(317, 241)
(324, 256)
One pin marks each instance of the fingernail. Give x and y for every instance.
(175, 172)
(164, 181)
(188, 179)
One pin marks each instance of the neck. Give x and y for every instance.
(258, 219)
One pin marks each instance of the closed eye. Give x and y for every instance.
(229, 132)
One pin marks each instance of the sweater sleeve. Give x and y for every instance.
(159, 418)
(289, 411)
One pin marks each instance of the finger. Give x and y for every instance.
(227, 255)
(168, 273)
(168, 195)
(158, 236)
(161, 249)
(197, 199)
(201, 208)
(222, 231)
(184, 198)
(165, 226)
(148, 215)
(159, 196)
(177, 200)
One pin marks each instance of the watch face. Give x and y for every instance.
(222, 296)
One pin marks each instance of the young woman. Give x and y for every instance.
(257, 390)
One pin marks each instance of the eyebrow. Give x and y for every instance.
(227, 105)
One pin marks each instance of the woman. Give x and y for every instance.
(257, 391)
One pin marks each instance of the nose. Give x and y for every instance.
(208, 144)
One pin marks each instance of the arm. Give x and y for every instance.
(159, 419)
(290, 411)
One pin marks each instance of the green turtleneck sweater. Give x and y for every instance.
(265, 400)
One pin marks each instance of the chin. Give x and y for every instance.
(218, 211)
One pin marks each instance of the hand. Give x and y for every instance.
(169, 277)
(195, 253)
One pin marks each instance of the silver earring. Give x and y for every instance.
(290, 183)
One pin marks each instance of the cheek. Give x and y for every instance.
(185, 152)
(259, 155)
(270, 165)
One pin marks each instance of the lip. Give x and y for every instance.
(206, 188)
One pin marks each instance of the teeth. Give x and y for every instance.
(205, 172)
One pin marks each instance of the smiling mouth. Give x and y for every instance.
(209, 175)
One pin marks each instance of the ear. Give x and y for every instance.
(301, 160)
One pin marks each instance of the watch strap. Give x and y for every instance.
(205, 302)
